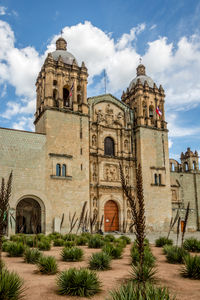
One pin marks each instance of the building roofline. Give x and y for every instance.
(18, 130)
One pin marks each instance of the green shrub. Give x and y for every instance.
(162, 241)
(125, 238)
(5, 246)
(15, 249)
(81, 241)
(86, 235)
(109, 238)
(149, 259)
(41, 236)
(191, 268)
(175, 255)
(120, 242)
(132, 291)
(114, 252)
(44, 245)
(192, 245)
(47, 265)
(31, 256)
(100, 261)
(30, 241)
(70, 237)
(19, 238)
(55, 235)
(82, 282)
(11, 285)
(58, 242)
(95, 242)
(69, 244)
(72, 254)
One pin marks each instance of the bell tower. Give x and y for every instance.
(62, 115)
(61, 84)
(151, 146)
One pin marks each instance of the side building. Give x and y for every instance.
(185, 188)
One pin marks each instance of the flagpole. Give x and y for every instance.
(105, 80)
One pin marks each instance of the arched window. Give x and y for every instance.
(172, 167)
(194, 165)
(64, 170)
(55, 97)
(156, 179)
(65, 97)
(79, 99)
(186, 166)
(109, 146)
(151, 111)
(58, 170)
(159, 179)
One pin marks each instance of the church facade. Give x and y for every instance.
(74, 155)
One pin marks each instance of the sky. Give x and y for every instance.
(108, 35)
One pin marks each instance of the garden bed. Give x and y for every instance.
(39, 287)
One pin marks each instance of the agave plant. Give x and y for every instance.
(47, 265)
(72, 254)
(11, 286)
(78, 282)
(100, 261)
(32, 256)
(191, 268)
(132, 291)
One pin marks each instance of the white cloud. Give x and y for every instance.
(180, 131)
(170, 143)
(24, 123)
(175, 66)
(3, 10)
(153, 26)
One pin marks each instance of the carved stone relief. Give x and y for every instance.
(111, 172)
(108, 117)
(128, 214)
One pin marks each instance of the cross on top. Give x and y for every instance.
(140, 60)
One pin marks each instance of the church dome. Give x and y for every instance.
(141, 74)
(61, 50)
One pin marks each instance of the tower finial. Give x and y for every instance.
(140, 60)
(61, 32)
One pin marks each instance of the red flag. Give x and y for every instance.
(158, 111)
(72, 87)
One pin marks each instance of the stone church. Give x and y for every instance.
(74, 154)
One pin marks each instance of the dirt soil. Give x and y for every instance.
(43, 287)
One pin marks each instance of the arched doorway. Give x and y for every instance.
(111, 216)
(28, 216)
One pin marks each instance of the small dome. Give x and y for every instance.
(141, 74)
(61, 50)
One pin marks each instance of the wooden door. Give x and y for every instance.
(111, 216)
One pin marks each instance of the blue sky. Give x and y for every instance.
(109, 35)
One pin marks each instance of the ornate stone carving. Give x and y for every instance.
(111, 172)
(128, 214)
(108, 116)
(127, 174)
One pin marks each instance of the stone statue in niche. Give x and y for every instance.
(109, 116)
(127, 174)
(94, 202)
(100, 116)
(94, 175)
(128, 214)
(119, 119)
(126, 145)
(111, 173)
(174, 195)
(95, 212)
(94, 140)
